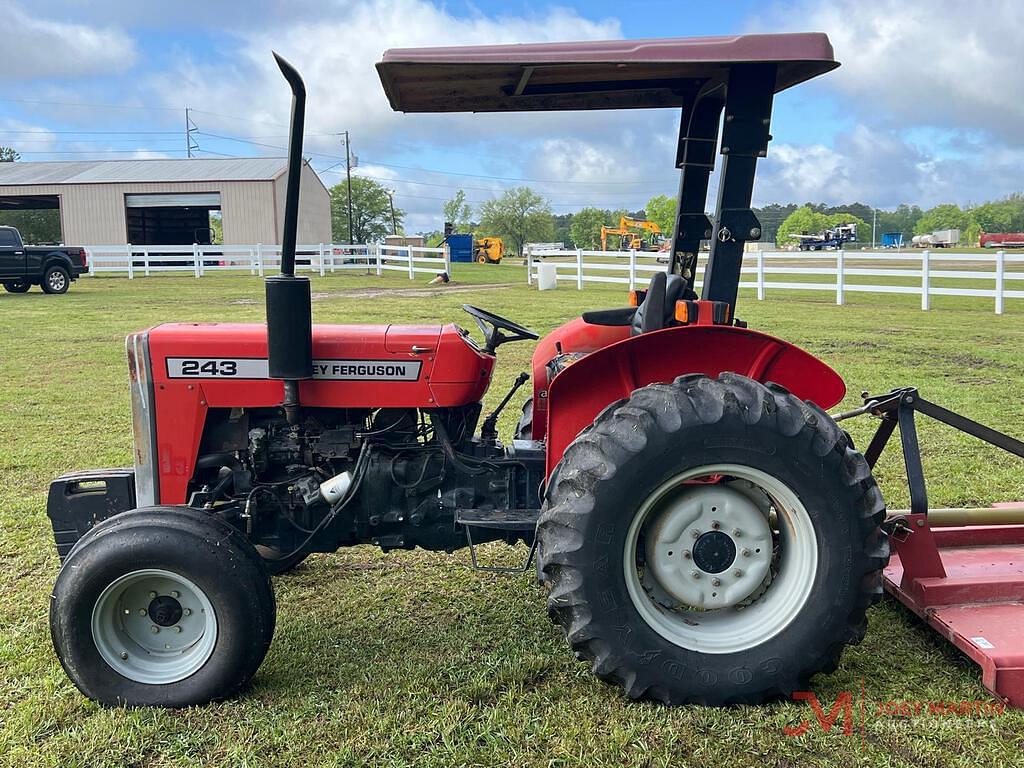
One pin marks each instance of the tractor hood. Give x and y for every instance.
(606, 74)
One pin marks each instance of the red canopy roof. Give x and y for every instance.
(606, 74)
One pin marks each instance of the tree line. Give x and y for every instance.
(521, 215)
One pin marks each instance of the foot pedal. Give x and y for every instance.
(499, 520)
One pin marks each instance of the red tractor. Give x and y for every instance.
(705, 531)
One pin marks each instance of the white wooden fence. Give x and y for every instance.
(921, 273)
(324, 258)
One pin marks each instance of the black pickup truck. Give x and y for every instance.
(51, 267)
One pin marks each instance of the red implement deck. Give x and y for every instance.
(968, 584)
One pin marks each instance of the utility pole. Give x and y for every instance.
(391, 199)
(191, 145)
(348, 181)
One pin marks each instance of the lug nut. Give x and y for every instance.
(715, 524)
(695, 574)
(737, 573)
(745, 552)
(175, 594)
(154, 629)
(695, 534)
(177, 629)
(142, 611)
(152, 595)
(687, 555)
(187, 611)
(716, 583)
(127, 612)
(737, 533)
(124, 655)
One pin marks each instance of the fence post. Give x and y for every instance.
(145, 261)
(529, 265)
(321, 259)
(92, 261)
(196, 261)
(252, 261)
(1000, 279)
(131, 266)
(579, 269)
(380, 264)
(632, 269)
(331, 246)
(259, 258)
(760, 275)
(447, 254)
(412, 271)
(925, 299)
(840, 287)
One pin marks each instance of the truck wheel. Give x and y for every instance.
(162, 606)
(56, 280)
(17, 286)
(712, 541)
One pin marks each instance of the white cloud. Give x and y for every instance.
(336, 57)
(880, 167)
(26, 137)
(37, 48)
(936, 93)
(920, 62)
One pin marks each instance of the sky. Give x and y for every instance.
(927, 107)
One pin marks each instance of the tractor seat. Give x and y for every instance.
(655, 312)
(658, 308)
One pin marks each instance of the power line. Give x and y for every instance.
(94, 151)
(86, 104)
(90, 133)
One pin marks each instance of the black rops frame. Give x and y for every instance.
(747, 103)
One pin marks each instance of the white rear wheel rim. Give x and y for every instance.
(746, 624)
(143, 639)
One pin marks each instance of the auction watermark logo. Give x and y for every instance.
(849, 713)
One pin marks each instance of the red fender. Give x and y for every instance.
(581, 391)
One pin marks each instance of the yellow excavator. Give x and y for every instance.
(631, 235)
(488, 250)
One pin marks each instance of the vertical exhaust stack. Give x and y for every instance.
(289, 306)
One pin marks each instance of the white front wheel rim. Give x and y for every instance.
(749, 616)
(154, 626)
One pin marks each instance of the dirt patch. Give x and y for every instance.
(372, 293)
(415, 293)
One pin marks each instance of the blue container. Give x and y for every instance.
(892, 240)
(460, 247)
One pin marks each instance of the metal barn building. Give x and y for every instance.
(167, 202)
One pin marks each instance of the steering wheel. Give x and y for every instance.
(492, 325)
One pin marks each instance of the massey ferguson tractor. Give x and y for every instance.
(704, 530)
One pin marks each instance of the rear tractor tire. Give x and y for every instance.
(164, 607)
(712, 541)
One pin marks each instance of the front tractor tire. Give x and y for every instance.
(712, 541)
(164, 607)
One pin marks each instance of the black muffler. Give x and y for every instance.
(289, 300)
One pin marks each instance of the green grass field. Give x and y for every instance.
(413, 659)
